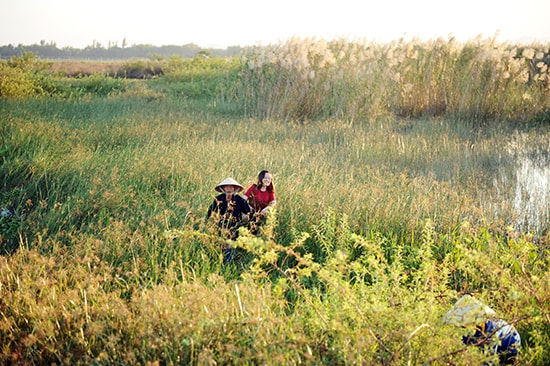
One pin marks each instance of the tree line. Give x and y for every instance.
(96, 51)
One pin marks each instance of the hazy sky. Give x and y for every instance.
(222, 23)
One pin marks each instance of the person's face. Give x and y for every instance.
(266, 180)
(229, 189)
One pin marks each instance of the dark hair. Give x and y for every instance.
(261, 176)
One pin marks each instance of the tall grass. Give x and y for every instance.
(119, 152)
(382, 223)
(478, 80)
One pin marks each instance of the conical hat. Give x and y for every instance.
(229, 182)
(468, 311)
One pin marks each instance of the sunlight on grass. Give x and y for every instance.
(406, 175)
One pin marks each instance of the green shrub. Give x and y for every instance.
(17, 83)
(23, 76)
(140, 69)
(96, 84)
(201, 76)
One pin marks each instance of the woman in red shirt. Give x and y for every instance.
(261, 196)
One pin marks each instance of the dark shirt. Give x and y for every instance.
(229, 212)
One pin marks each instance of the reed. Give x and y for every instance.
(479, 80)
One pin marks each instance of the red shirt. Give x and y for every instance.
(259, 199)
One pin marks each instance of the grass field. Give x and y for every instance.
(390, 206)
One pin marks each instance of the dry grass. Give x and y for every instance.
(84, 68)
(477, 80)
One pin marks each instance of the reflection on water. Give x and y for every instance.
(531, 201)
(530, 195)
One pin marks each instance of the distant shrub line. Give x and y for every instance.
(479, 80)
(98, 52)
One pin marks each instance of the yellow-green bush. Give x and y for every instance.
(74, 304)
(16, 83)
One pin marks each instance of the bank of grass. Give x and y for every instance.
(382, 223)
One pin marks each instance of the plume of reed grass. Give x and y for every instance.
(480, 80)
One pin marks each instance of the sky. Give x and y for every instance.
(225, 23)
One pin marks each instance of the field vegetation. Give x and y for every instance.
(407, 174)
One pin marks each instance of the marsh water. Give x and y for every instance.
(528, 184)
(531, 201)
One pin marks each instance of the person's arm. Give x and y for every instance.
(248, 196)
(244, 208)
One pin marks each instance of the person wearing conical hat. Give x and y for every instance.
(501, 338)
(230, 209)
